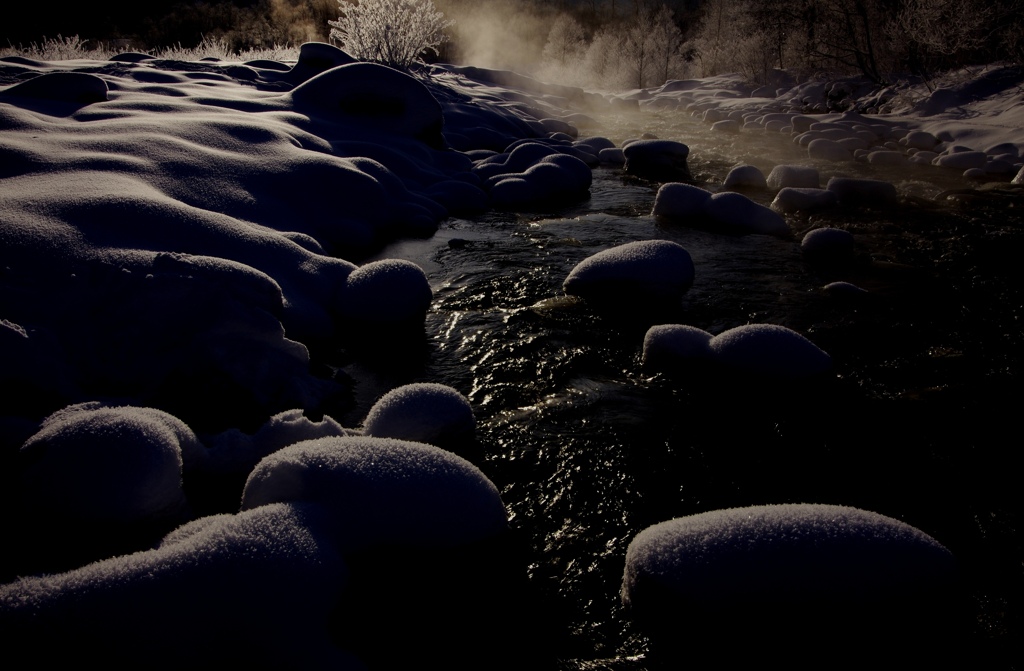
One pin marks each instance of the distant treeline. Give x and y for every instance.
(243, 24)
(599, 43)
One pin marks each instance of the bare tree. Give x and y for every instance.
(566, 40)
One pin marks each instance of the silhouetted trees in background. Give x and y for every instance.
(601, 43)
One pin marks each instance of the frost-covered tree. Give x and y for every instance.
(650, 45)
(393, 32)
(566, 40)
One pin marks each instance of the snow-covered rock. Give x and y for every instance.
(646, 269)
(863, 192)
(108, 465)
(676, 200)
(827, 245)
(256, 588)
(828, 150)
(745, 176)
(962, 160)
(788, 553)
(769, 350)
(553, 177)
(382, 491)
(791, 199)
(423, 412)
(662, 160)
(392, 291)
(819, 574)
(796, 176)
(669, 347)
(734, 212)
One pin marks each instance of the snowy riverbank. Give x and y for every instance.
(184, 250)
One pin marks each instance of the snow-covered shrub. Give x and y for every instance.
(393, 32)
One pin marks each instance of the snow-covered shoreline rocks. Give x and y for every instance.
(767, 351)
(726, 211)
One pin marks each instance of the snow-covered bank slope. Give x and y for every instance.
(976, 113)
(164, 224)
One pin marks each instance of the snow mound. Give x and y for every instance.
(796, 176)
(676, 200)
(375, 97)
(234, 451)
(828, 150)
(108, 465)
(382, 491)
(392, 291)
(745, 176)
(863, 192)
(734, 212)
(825, 245)
(669, 346)
(660, 160)
(555, 177)
(657, 269)
(423, 412)
(792, 199)
(255, 588)
(769, 350)
(796, 552)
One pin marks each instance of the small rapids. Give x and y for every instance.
(588, 449)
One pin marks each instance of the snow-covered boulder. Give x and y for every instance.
(827, 245)
(819, 576)
(796, 552)
(886, 157)
(382, 491)
(676, 200)
(734, 212)
(962, 160)
(844, 290)
(791, 199)
(828, 150)
(797, 176)
(642, 270)
(919, 139)
(256, 588)
(661, 160)
(669, 347)
(91, 464)
(863, 192)
(612, 156)
(596, 143)
(423, 412)
(391, 291)
(745, 176)
(553, 177)
(729, 126)
(769, 350)
(373, 96)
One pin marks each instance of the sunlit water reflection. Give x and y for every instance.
(588, 449)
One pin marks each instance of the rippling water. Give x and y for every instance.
(588, 449)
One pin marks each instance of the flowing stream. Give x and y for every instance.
(588, 449)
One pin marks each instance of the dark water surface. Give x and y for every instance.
(921, 423)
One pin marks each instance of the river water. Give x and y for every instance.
(587, 448)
